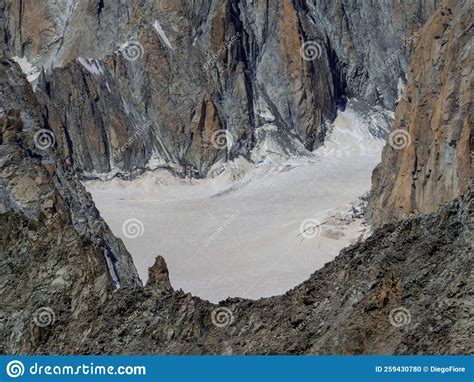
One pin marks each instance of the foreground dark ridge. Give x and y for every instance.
(417, 275)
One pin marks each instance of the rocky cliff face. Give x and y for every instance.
(60, 265)
(35, 183)
(428, 158)
(196, 83)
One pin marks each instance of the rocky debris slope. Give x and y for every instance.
(195, 83)
(376, 297)
(428, 158)
(407, 289)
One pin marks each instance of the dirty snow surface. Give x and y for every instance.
(251, 231)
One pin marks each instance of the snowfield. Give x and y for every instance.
(251, 231)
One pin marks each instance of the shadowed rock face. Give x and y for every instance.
(429, 159)
(405, 290)
(213, 79)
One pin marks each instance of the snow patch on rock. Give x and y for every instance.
(32, 72)
(162, 34)
(91, 65)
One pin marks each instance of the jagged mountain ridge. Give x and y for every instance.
(189, 84)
